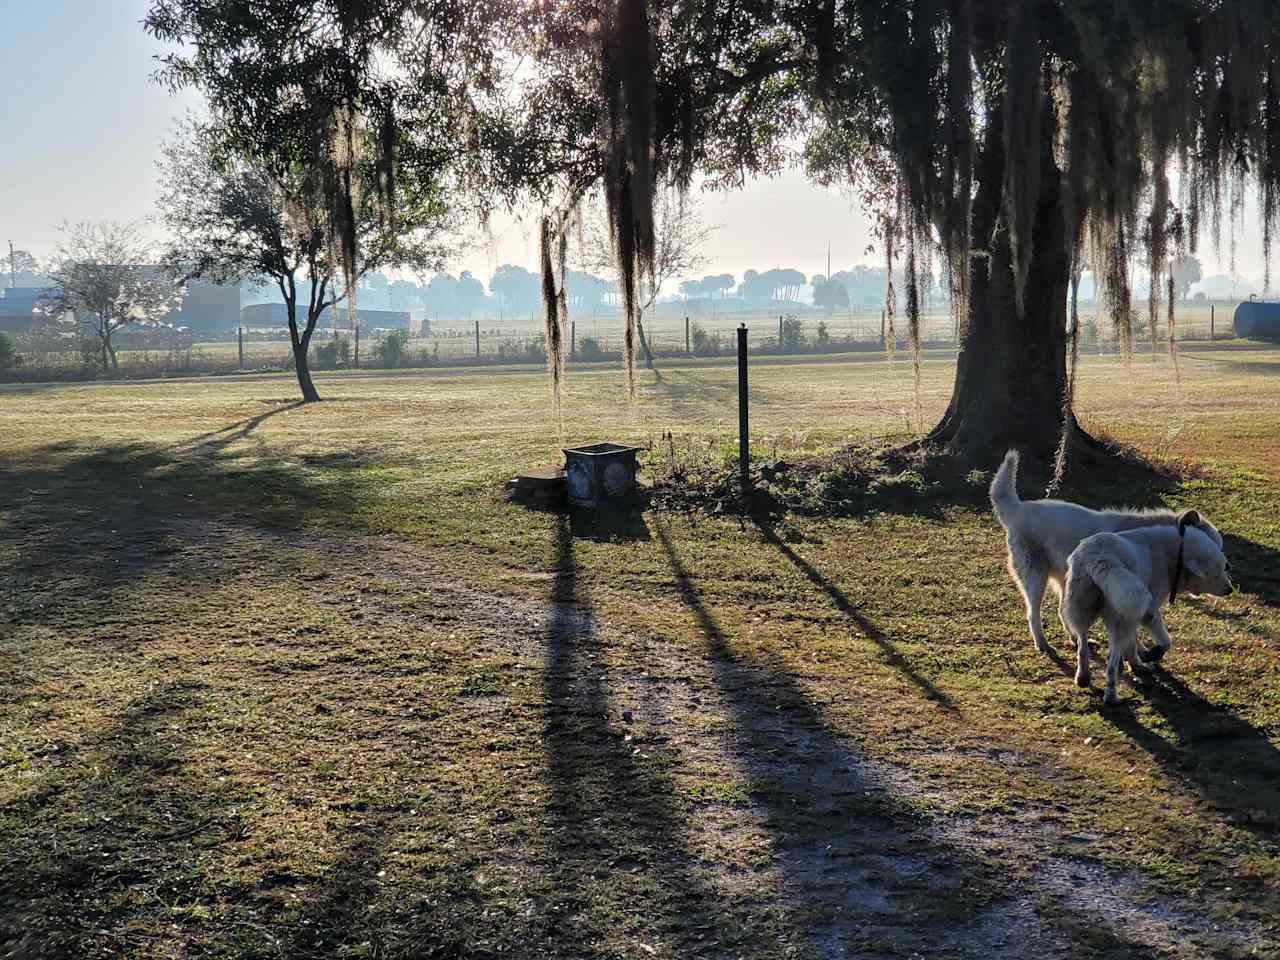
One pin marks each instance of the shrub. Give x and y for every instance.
(589, 349)
(427, 358)
(792, 335)
(824, 335)
(390, 351)
(531, 349)
(8, 352)
(705, 344)
(335, 353)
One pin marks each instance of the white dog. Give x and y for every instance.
(1126, 577)
(1042, 533)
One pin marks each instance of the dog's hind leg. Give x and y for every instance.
(1118, 634)
(1032, 580)
(1074, 610)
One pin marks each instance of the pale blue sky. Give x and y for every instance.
(82, 123)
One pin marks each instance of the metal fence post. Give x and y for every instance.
(356, 362)
(687, 351)
(477, 339)
(779, 334)
(240, 344)
(573, 339)
(1211, 321)
(744, 458)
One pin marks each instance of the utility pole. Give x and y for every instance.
(13, 267)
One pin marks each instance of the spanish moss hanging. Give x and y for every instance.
(552, 310)
(1069, 387)
(627, 82)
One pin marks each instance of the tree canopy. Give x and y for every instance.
(1015, 142)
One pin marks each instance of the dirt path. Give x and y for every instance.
(834, 841)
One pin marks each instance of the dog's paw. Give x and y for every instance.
(1140, 666)
(1109, 699)
(1154, 655)
(1083, 679)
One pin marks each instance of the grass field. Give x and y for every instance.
(285, 681)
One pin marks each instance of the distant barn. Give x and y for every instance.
(18, 308)
(207, 306)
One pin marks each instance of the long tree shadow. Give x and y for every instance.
(863, 870)
(890, 653)
(617, 830)
(1229, 762)
(685, 391)
(115, 812)
(232, 432)
(113, 513)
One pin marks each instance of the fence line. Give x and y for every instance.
(171, 352)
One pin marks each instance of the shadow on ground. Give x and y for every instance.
(1221, 757)
(1255, 567)
(617, 827)
(863, 871)
(864, 625)
(140, 820)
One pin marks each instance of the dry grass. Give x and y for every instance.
(293, 681)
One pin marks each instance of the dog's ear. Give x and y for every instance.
(1189, 519)
(1195, 567)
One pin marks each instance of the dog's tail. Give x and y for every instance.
(1124, 591)
(1004, 488)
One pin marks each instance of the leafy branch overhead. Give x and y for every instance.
(1007, 144)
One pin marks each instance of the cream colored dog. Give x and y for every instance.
(1042, 533)
(1125, 578)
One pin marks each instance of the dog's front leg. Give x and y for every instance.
(1163, 640)
(1134, 654)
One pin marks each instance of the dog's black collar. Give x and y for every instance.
(1177, 569)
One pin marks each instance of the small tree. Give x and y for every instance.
(391, 351)
(106, 276)
(21, 261)
(8, 352)
(829, 293)
(679, 238)
(1186, 271)
(231, 220)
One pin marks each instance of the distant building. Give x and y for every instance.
(368, 319)
(272, 315)
(207, 306)
(18, 308)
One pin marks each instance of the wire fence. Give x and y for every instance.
(589, 339)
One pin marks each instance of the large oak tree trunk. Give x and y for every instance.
(1011, 372)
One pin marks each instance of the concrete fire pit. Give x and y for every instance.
(600, 473)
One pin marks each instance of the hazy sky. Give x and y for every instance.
(83, 122)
